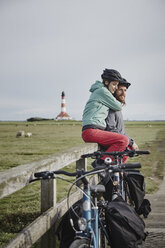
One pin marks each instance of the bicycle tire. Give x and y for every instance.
(81, 243)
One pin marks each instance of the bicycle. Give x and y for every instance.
(118, 178)
(92, 231)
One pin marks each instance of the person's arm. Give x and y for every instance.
(135, 146)
(132, 144)
(107, 99)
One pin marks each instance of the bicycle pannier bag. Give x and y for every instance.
(124, 226)
(136, 186)
(145, 208)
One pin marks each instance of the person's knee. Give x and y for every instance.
(124, 141)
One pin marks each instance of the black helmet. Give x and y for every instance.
(111, 75)
(124, 82)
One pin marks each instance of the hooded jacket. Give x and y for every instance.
(98, 105)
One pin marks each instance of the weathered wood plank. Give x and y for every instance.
(18, 177)
(42, 224)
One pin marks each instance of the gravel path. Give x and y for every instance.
(155, 223)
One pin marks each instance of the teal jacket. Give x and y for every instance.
(98, 105)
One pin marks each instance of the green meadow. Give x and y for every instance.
(54, 137)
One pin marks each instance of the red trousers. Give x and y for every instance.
(112, 141)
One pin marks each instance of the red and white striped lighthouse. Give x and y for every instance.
(63, 115)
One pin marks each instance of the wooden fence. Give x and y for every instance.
(16, 178)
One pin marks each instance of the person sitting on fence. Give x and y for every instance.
(114, 120)
(96, 112)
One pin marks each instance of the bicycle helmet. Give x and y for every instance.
(111, 75)
(124, 82)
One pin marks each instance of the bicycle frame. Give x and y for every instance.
(117, 180)
(91, 209)
(90, 213)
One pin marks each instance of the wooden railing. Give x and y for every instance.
(16, 178)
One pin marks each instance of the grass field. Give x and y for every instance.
(52, 137)
(47, 138)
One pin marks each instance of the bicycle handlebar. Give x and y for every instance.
(51, 174)
(131, 166)
(142, 152)
(126, 152)
(97, 154)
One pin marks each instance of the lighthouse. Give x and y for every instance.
(63, 115)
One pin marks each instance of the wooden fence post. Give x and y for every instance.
(48, 200)
(81, 164)
(48, 194)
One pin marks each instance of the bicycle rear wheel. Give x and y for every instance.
(81, 243)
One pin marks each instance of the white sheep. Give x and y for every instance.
(20, 133)
(28, 134)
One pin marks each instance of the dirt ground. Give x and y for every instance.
(155, 223)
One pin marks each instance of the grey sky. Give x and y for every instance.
(48, 46)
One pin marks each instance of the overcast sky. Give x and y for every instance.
(50, 46)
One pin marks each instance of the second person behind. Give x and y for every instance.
(96, 111)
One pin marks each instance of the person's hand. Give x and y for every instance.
(135, 146)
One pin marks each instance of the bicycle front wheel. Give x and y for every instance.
(81, 243)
